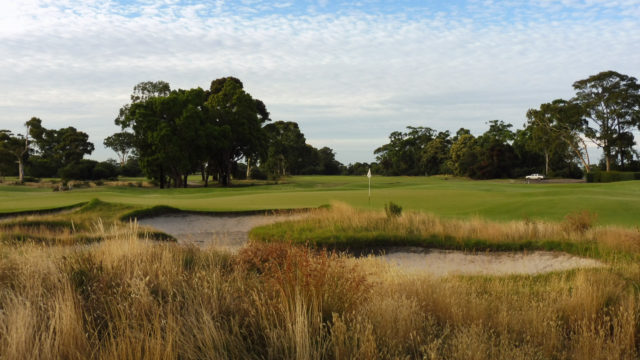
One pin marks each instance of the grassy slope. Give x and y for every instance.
(615, 203)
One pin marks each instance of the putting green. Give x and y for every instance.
(615, 203)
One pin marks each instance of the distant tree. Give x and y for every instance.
(170, 134)
(286, 147)
(529, 153)
(403, 154)
(16, 146)
(559, 121)
(463, 155)
(122, 144)
(496, 157)
(328, 162)
(611, 103)
(55, 149)
(359, 168)
(243, 117)
(436, 154)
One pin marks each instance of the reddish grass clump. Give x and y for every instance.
(316, 275)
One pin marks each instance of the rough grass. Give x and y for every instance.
(129, 298)
(343, 227)
(81, 225)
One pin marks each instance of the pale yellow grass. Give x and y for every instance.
(578, 228)
(130, 298)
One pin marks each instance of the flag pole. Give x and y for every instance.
(369, 176)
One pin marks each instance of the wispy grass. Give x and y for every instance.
(130, 298)
(74, 226)
(344, 227)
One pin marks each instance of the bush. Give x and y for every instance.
(258, 174)
(611, 176)
(79, 170)
(392, 209)
(30, 179)
(131, 168)
(39, 167)
(105, 170)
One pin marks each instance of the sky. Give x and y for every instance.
(348, 72)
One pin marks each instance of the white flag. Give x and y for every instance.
(369, 173)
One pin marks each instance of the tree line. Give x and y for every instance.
(604, 111)
(224, 133)
(221, 132)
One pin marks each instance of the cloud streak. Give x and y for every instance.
(348, 75)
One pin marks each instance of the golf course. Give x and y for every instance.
(495, 269)
(500, 200)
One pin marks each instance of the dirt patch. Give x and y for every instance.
(226, 231)
(444, 262)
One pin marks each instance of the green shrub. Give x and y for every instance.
(392, 209)
(105, 170)
(79, 170)
(612, 176)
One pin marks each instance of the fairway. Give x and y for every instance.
(615, 203)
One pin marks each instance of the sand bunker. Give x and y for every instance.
(226, 231)
(232, 232)
(443, 262)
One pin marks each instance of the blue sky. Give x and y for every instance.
(349, 72)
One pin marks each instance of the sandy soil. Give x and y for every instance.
(232, 232)
(226, 231)
(443, 262)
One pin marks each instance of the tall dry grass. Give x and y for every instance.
(344, 226)
(130, 298)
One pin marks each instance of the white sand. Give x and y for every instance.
(443, 262)
(232, 232)
(226, 231)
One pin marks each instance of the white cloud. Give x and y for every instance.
(348, 78)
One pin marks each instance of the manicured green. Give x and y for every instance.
(615, 203)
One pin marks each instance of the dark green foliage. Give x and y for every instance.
(178, 132)
(131, 168)
(403, 155)
(611, 104)
(286, 149)
(149, 212)
(59, 147)
(105, 170)
(392, 209)
(79, 170)
(359, 168)
(122, 143)
(611, 176)
(89, 170)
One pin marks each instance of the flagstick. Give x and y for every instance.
(369, 176)
(369, 192)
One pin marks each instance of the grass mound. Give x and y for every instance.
(82, 225)
(345, 228)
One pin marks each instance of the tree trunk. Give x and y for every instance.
(162, 179)
(185, 180)
(608, 162)
(546, 163)
(20, 170)
(202, 172)
(248, 168)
